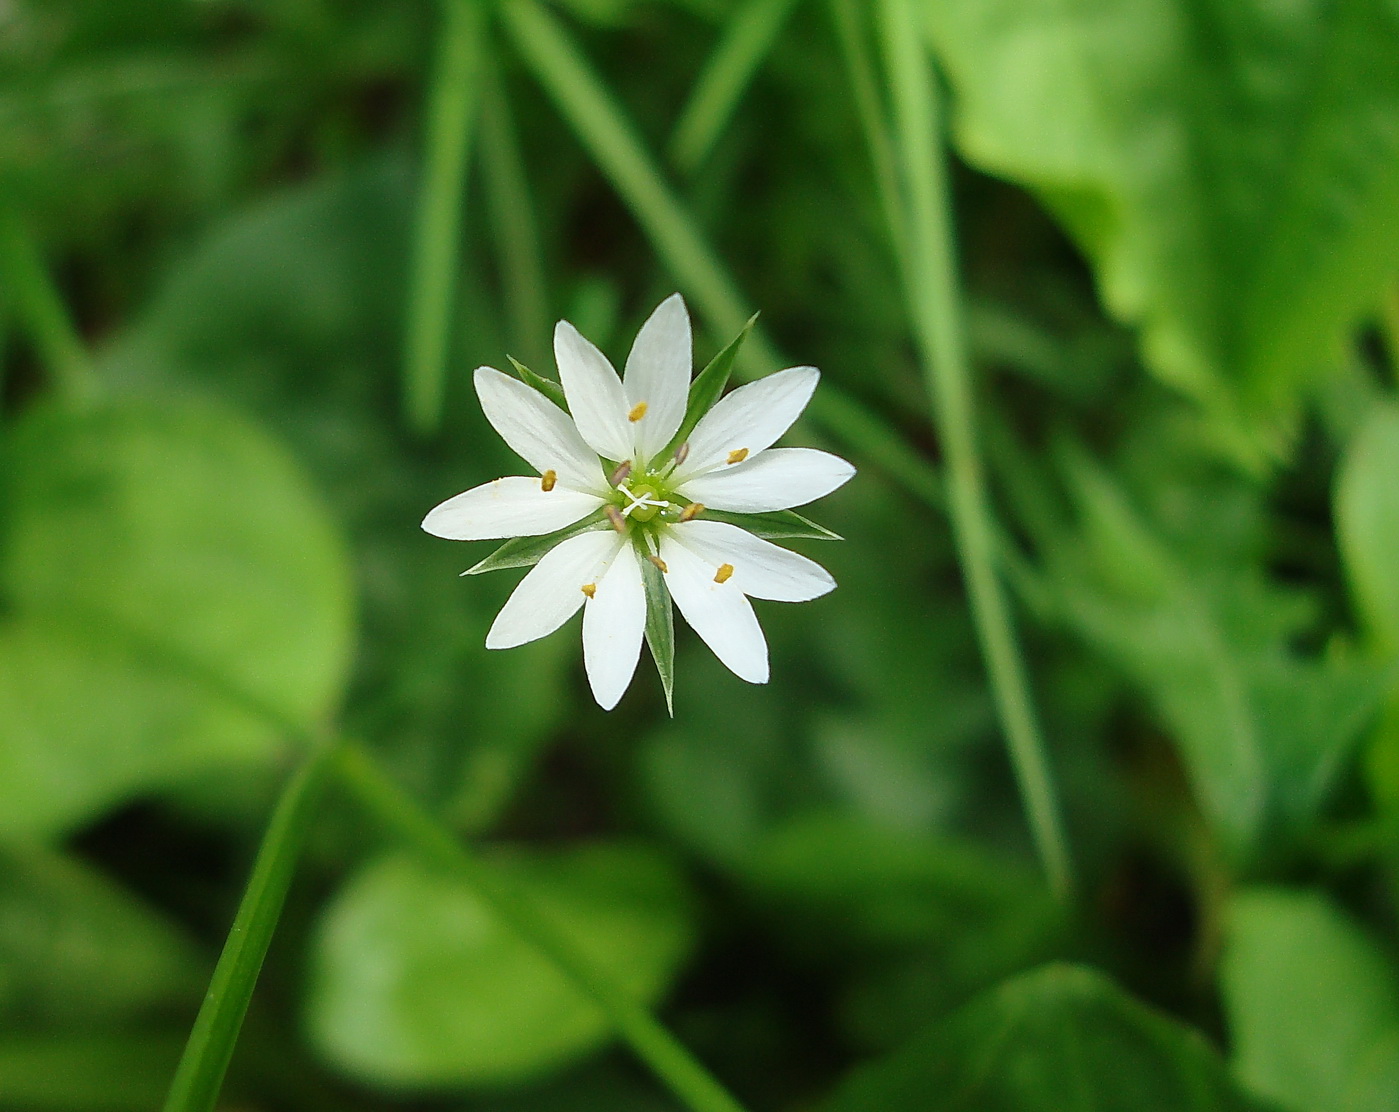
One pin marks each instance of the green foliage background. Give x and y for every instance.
(242, 286)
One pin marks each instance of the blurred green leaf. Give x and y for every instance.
(1313, 1004)
(416, 984)
(75, 948)
(172, 585)
(1231, 170)
(1059, 1037)
(87, 1073)
(1367, 522)
(1264, 731)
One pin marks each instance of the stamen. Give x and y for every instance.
(681, 453)
(589, 589)
(692, 511)
(637, 413)
(658, 562)
(722, 575)
(547, 480)
(619, 476)
(614, 515)
(738, 455)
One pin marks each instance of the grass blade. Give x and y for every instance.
(200, 1074)
(935, 305)
(604, 131)
(672, 1064)
(746, 41)
(450, 115)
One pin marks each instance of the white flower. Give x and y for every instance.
(614, 469)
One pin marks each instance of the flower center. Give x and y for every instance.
(644, 498)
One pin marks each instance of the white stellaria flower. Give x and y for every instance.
(637, 499)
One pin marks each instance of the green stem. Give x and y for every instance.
(603, 129)
(936, 309)
(672, 1064)
(39, 308)
(748, 36)
(210, 1048)
(515, 231)
(450, 116)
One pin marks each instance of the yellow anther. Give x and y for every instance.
(658, 562)
(722, 575)
(547, 480)
(590, 589)
(738, 455)
(614, 515)
(638, 411)
(692, 511)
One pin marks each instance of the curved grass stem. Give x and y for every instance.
(934, 297)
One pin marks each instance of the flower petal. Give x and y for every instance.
(613, 622)
(759, 568)
(553, 590)
(516, 506)
(540, 432)
(594, 393)
(719, 612)
(658, 375)
(778, 479)
(748, 420)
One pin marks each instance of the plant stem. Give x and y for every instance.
(603, 129)
(748, 36)
(39, 307)
(672, 1064)
(450, 118)
(200, 1074)
(936, 309)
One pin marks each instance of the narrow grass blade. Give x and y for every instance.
(525, 552)
(514, 229)
(660, 628)
(602, 127)
(778, 525)
(40, 311)
(450, 117)
(210, 1048)
(748, 37)
(546, 386)
(672, 1064)
(707, 386)
(936, 309)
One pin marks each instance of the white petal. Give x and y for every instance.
(594, 393)
(658, 374)
(778, 479)
(516, 506)
(553, 590)
(613, 622)
(540, 432)
(749, 419)
(719, 612)
(760, 569)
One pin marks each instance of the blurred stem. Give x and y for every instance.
(450, 116)
(40, 310)
(602, 128)
(210, 1048)
(748, 37)
(935, 305)
(1389, 328)
(514, 228)
(672, 1064)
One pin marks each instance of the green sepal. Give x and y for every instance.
(779, 525)
(524, 552)
(707, 387)
(546, 386)
(660, 623)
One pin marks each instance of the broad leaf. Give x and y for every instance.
(1313, 1004)
(175, 594)
(416, 984)
(1230, 169)
(1060, 1037)
(1367, 522)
